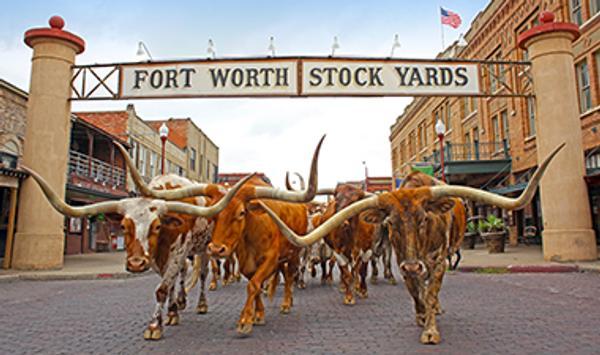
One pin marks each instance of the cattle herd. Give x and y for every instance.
(176, 225)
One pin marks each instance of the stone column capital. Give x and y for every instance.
(548, 26)
(55, 32)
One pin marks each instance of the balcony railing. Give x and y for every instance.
(471, 152)
(99, 171)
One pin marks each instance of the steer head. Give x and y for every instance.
(230, 225)
(146, 225)
(416, 225)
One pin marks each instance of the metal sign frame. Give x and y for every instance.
(105, 81)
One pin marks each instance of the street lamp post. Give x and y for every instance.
(440, 129)
(163, 131)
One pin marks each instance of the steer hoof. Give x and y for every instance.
(212, 286)
(153, 333)
(430, 336)
(259, 320)
(202, 308)
(244, 330)
(349, 300)
(285, 309)
(181, 302)
(392, 281)
(374, 280)
(172, 318)
(362, 294)
(301, 285)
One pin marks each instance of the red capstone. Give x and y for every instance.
(55, 31)
(56, 22)
(547, 17)
(548, 25)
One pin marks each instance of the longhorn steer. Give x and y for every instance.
(419, 234)
(243, 227)
(457, 217)
(158, 234)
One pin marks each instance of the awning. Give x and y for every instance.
(506, 190)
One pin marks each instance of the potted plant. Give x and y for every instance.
(493, 233)
(471, 235)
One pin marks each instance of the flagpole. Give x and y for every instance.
(442, 29)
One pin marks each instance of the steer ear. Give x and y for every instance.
(440, 205)
(374, 216)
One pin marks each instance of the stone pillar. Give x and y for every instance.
(568, 233)
(39, 241)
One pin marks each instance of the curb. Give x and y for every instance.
(520, 269)
(69, 277)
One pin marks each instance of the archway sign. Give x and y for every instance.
(56, 81)
(298, 77)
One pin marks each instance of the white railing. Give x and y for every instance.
(96, 169)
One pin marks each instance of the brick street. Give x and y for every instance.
(511, 313)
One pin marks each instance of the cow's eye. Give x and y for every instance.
(157, 227)
(242, 214)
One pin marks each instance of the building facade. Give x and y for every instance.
(490, 142)
(145, 142)
(202, 154)
(96, 172)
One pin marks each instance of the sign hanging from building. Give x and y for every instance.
(289, 77)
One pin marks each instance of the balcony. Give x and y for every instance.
(94, 174)
(473, 158)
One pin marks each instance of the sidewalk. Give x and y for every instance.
(112, 265)
(77, 267)
(518, 259)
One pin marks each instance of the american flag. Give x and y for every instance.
(450, 18)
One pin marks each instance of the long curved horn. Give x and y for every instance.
(325, 228)
(187, 208)
(61, 207)
(494, 199)
(173, 194)
(294, 196)
(134, 173)
(288, 185)
(326, 191)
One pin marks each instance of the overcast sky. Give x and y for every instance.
(268, 135)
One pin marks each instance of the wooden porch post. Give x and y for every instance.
(10, 233)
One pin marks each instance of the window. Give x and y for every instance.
(594, 7)
(468, 145)
(168, 167)
(583, 79)
(133, 151)
(179, 170)
(500, 72)
(576, 13)
(192, 159)
(412, 147)
(448, 115)
(153, 164)
(142, 161)
(505, 128)
(531, 115)
(492, 78)
(475, 134)
(495, 130)
(474, 100)
(201, 164)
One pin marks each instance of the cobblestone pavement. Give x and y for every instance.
(509, 314)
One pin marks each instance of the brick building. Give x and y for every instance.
(202, 163)
(96, 172)
(491, 142)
